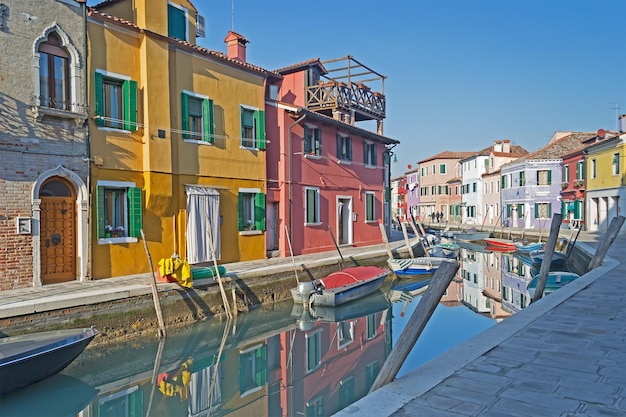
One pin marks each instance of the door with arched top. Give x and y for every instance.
(57, 231)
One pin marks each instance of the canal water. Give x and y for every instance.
(280, 360)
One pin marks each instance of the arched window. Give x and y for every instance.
(54, 85)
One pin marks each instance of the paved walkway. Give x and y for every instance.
(32, 300)
(564, 355)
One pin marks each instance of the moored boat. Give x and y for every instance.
(529, 247)
(341, 286)
(554, 281)
(28, 358)
(558, 259)
(415, 266)
(470, 236)
(507, 244)
(445, 250)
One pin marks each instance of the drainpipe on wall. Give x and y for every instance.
(289, 175)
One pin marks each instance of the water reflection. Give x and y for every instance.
(285, 359)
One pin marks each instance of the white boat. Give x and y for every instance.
(340, 287)
(415, 266)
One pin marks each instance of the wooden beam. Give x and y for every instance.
(416, 324)
(606, 242)
(547, 256)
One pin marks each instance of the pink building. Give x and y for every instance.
(323, 171)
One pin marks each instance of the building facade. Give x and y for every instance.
(530, 186)
(328, 178)
(43, 144)
(177, 140)
(605, 184)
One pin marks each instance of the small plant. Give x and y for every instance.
(578, 183)
(564, 185)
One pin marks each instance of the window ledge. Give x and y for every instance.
(251, 391)
(248, 148)
(370, 166)
(312, 156)
(371, 221)
(313, 224)
(113, 129)
(198, 142)
(42, 112)
(250, 232)
(344, 162)
(114, 240)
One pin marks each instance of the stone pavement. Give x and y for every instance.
(564, 355)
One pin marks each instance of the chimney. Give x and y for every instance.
(236, 46)
(506, 146)
(497, 146)
(622, 123)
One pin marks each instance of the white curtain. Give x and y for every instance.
(203, 211)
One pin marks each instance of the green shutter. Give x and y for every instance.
(99, 98)
(259, 211)
(307, 143)
(549, 210)
(135, 207)
(260, 356)
(176, 23)
(242, 370)
(549, 177)
(520, 210)
(100, 209)
(130, 105)
(536, 210)
(184, 105)
(564, 205)
(240, 211)
(259, 119)
(365, 152)
(136, 404)
(339, 156)
(349, 148)
(208, 134)
(374, 155)
(310, 206)
(502, 182)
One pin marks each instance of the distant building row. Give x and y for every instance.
(577, 174)
(114, 121)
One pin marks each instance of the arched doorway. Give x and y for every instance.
(57, 231)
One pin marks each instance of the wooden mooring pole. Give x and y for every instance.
(606, 242)
(416, 323)
(155, 291)
(547, 256)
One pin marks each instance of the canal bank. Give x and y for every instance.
(124, 306)
(561, 356)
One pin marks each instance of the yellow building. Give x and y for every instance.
(605, 189)
(177, 140)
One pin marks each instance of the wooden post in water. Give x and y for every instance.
(606, 242)
(155, 292)
(547, 256)
(229, 314)
(416, 323)
(383, 233)
(419, 238)
(406, 239)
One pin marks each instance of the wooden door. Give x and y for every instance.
(58, 236)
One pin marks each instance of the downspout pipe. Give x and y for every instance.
(387, 191)
(289, 172)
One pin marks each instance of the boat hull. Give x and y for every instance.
(340, 287)
(415, 266)
(554, 281)
(29, 358)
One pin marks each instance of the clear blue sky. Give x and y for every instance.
(461, 73)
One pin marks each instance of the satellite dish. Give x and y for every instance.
(601, 133)
(409, 166)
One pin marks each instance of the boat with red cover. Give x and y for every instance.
(340, 287)
(500, 243)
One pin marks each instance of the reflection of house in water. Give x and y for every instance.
(516, 274)
(264, 366)
(332, 364)
(471, 268)
(492, 289)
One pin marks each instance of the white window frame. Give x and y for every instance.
(117, 77)
(371, 152)
(202, 135)
(343, 339)
(255, 128)
(372, 195)
(615, 168)
(122, 185)
(179, 7)
(318, 359)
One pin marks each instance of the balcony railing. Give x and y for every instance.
(333, 95)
